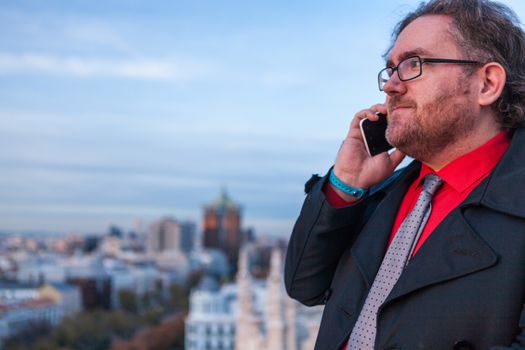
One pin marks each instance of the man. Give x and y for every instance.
(431, 256)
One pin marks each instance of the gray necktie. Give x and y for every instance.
(364, 333)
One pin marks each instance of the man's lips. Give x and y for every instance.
(398, 109)
(394, 108)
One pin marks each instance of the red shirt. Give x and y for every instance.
(460, 177)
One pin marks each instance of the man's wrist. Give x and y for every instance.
(342, 199)
(345, 190)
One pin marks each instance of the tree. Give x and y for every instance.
(179, 298)
(169, 335)
(96, 330)
(31, 332)
(194, 278)
(128, 300)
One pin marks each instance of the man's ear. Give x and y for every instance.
(493, 78)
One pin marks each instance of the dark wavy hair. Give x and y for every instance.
(489, 32)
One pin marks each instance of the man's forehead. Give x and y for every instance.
(425, 36)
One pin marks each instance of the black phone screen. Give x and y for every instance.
(374, 135)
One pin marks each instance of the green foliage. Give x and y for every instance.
(151, 300)
(194, 278)
(153, 316)
(95, 330)
(179, 298)
(45, 344)
(101, 329)
(128, 300)
(33, 330)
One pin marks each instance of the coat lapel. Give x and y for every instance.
(452, 250)
(369, 249)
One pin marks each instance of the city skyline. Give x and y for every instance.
(116, 111)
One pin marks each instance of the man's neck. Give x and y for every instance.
(476, 138)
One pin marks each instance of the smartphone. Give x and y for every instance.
(374, 135)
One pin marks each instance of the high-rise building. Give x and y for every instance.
(188, 231)
(168, 234)
(222, 227)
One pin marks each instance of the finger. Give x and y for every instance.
(355, 130)
(380, 108)
(377, 109)
(364, 114)
(355, 134)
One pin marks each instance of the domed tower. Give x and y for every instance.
(222, 227)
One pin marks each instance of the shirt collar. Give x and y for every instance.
(462, 172)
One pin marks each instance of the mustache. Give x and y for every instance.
(399, 102)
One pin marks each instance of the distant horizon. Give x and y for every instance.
(264, 226)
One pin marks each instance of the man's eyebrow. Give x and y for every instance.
(415, 52)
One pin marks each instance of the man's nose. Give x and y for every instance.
(394, 85)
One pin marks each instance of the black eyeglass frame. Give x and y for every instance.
(421, 61)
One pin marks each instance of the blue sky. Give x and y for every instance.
(113, 111)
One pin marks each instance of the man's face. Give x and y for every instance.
(434, 110)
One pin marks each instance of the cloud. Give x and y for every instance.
(29, 63)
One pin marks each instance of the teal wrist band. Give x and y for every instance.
(352, 191)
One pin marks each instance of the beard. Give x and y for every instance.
(432, 126)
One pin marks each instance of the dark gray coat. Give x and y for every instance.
(465, 287)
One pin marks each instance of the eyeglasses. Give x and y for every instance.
(412, 68)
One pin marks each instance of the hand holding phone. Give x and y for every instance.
(354, 164)
(374, 135)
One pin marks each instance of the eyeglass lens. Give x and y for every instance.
(406, 70)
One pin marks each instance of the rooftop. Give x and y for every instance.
(224, 201)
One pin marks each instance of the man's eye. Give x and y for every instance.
(414, 63)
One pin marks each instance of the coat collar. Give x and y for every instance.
(499, 192)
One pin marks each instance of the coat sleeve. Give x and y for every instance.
(320, 236)
(519, 341)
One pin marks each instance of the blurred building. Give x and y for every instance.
(169, 234)
(88, 273)
(121, 277)
(188, 235)
(144, 276)
(210, 261)
(253, 314)
(174, 265)
(41, 268)
(66, 296)
(21, 316)
(8, 266)
(12, 292)
(211, 321)
(222, 227)
(24, 308)
(111, 245)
